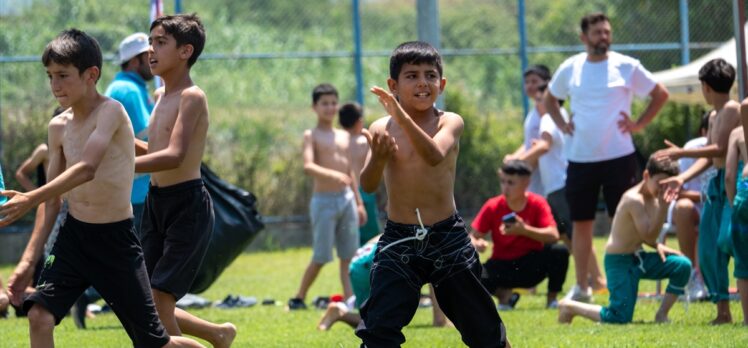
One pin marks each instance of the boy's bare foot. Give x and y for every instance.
(659, 318)
(565, 314)
(721, 319)
(225, 336)
(334, 312)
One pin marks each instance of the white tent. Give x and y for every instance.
(683, 82)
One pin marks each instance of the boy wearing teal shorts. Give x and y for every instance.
(638, 219)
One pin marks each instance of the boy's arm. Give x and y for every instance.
(715, 147)
(192, 106)
(24, 271)
(382, 148)
(313, 169)
(110, 119)
(141, 147)
(554, 110)
(539, 148)
(29, 165)
(673, 184)
(744, 118)
(432, 150)
(478, 240)
(731, 165)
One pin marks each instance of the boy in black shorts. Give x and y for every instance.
(178, 217)
(425, 241)
(91, 160)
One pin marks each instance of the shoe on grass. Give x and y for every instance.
(296, 304)
(577, 294)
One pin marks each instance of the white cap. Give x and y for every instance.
(132, 46)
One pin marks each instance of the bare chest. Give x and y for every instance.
(162, 121)
(328, 145)
(76, 133)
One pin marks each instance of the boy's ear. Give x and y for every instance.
(91, 74)
(645, 174)
(392, 84)
(185, 52)
(442, 84)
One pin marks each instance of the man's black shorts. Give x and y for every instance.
(176, 228)
(109, 258)
(584, 180)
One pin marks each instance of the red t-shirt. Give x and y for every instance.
(537, 213)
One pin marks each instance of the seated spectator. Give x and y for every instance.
(638, 220)
(524, 235)
(359, 273)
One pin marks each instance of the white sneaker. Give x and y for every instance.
(576, 294)
(696, 288)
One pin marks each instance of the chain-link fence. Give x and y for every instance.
(262, 59)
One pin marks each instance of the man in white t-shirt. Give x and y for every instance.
(601, 85)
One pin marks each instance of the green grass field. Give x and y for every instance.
(276, 275)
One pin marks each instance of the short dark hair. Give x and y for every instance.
(592, 19)
(186, 30)
(349, 114)
(538, 69)
(414, 52)
(662, 166)
(516, 167)
(323, 89)
(73, 47)
(718, 74)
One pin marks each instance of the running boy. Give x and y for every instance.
(638, 220)
(91, 160)
(336, 206)
(178, 214)
(425, 241)
(351, 118)
(717, 77)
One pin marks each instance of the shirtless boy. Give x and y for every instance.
(717, 77)
(351, 118)
(638, 220)
(178, 217)
(425, 241)
(336, 208)
(91, 160)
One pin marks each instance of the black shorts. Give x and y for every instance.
(584, 180)
(560, 211)
(175, 231)
(109, 258)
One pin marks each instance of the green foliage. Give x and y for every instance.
(260, 107)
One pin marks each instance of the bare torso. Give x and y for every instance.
(160, 130)
(106, 198)
(649, 213)
(721, 126)
(412, 183)
(330, 148)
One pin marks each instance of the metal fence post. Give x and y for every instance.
(738, 10)
(357, 64)
(685, 53)
(522, 53)
(177, 6)
(428, 29)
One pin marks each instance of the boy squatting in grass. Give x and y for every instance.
(425, 241)
(178, 215)
(638, 220)
(91, 160)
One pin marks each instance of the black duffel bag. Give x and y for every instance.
(237, 222)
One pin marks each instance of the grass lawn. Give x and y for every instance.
(276, 275)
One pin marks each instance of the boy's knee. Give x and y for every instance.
(40, 318)
(684, 205)
(612, 316)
